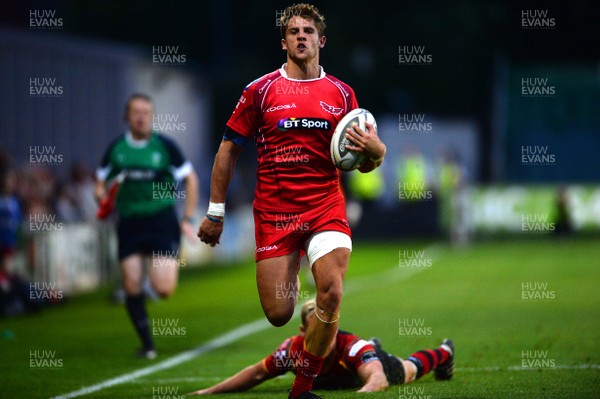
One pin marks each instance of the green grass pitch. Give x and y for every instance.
(524, 314)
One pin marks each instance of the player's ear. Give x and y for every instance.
(302, 329)
(283, 44)
(322, 41)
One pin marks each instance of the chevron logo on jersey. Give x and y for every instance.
(331, 109)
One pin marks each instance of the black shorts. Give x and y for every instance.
(148, 235)
(392, 366)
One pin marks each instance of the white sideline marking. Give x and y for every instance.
(220, 341)
(389, 276)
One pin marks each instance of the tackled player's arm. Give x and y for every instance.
(244, 380)
(372, 376)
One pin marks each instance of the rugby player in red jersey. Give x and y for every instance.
(351, 362)
(298, 208)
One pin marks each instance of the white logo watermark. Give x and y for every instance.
(168, 259)
(413, 259)
(168, 56)
(536, 359)
(44, 155)
(44, 359)
(167, 191)
(414, 123)
(290, 155)
(537, 19)
(536, 290)
(413, 327)
(162, 392)
(168, 123)
(285, 13)
(44, 20)
(536, 223)
(45, 88)
(45, 292)
(168, 328)
(412, 392)
(537, 155)
(414, 192)
(290, 291)
(537, 88)
(42, 222)
(413, 56)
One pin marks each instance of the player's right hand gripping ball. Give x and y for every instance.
(343, 158)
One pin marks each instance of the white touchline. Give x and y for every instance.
(227, 338)
(220, 341)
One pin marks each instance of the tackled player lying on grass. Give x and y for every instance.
(352, 363)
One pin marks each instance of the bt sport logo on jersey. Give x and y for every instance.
(303, 123)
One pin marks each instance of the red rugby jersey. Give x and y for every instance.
(292, 122)
(341, 364)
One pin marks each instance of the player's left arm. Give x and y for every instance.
(372, 376)
(239, 382)
(369, 143)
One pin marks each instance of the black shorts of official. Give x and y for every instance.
(147, 235)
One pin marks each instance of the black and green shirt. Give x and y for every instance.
(151, 170)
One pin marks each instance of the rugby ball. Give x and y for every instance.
(343, 158)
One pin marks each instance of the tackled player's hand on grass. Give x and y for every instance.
(373, 377)
(210, 232)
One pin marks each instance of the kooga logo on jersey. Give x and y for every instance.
(303, 123)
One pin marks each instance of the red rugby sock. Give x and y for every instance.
(427, 360)
(308, 369)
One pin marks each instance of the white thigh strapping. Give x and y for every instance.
(323, 242)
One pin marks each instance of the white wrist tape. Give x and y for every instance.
(215, 209)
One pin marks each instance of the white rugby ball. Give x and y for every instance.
(343, 158)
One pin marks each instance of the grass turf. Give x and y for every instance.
(474, 295)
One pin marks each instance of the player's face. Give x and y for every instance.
(302, 41)
(139, 117)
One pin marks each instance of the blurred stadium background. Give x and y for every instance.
(490, 110)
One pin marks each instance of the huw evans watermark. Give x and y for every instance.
(414, 56)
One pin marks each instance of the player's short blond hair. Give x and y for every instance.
(304, 10)
(307, 308)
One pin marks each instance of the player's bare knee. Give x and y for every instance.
(279, 316)
(164, 291)
(329, 297)
(132, 287)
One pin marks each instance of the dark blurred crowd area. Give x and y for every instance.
(35, 193)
